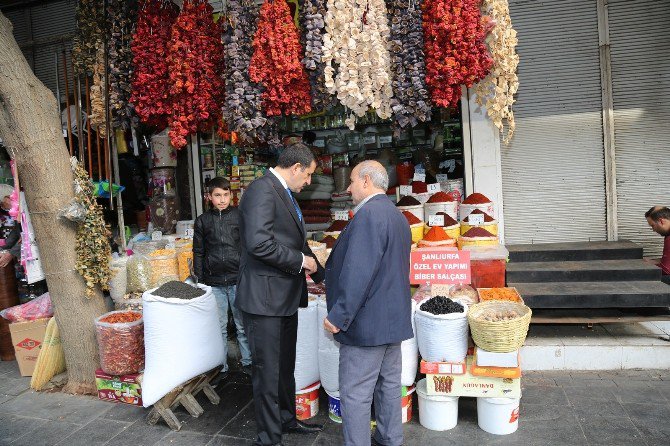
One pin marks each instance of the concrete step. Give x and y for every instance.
(594, 294)
(578, 251)
(582, 271)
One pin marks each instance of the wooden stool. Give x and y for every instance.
(184, 395)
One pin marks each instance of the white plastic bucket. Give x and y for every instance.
(307, 402)
(499, 416)
(448, 207)
(417, 210)
(436, 412)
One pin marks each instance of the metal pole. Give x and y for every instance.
(119, 200)
(80, 130)
(107, 112)
(67, 106)
(89, 148)
(57, 86)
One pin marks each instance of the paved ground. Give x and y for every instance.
(558, 408)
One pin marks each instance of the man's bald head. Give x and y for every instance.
(367, 178)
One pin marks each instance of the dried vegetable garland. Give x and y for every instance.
(313, 26)
(98, 110)
(122, 15)
(276, 62)
(195, 64)
(497, 90)
(151, 88)
(242, 110)
(410, 102)
(456, 53)
(90, 25)
(356, 45)
(93, 250)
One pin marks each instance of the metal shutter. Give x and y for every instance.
(640, 50)
(553, 170)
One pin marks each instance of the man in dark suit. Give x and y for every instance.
(271, 286)
(369, 308)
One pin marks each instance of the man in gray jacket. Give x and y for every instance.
(369, 308)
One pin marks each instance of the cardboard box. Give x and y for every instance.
(121, 389)
(442, 368)
(27, 338)
(491, 359)
(473, 386)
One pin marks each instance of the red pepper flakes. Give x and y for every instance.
(441, 197)
(436, 234)
(477, 232)
(329, 240)
(419, 187)
(411, 218)
(408, 201)
(476, 198)
(337, 226)
(116, 318)
(121, 342)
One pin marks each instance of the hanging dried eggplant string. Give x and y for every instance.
(151, 79)
(242, 109)
(122, 15)
(410, 102)
(98, 115)
(497, 90)
(90, 26)
(313, 27)
(355, 51)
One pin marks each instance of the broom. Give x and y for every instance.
(51, 360)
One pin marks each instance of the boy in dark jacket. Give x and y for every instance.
(216, 259)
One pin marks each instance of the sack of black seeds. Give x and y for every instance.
(182, 337)
(442, 337)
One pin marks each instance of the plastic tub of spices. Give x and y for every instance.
(488, 265)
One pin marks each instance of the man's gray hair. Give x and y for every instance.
(376, 172)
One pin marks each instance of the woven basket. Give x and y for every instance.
(502, 336)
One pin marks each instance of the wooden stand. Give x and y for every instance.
(184, 395)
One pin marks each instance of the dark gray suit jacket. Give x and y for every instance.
(367, 277)
(270, 281)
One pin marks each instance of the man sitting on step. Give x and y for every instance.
(658, 218)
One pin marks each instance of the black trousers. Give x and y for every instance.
(272, 341)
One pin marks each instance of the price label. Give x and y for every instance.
(441, 177)
(436, 220)
(475, 219)
(170, 246)
(64, 133)
(369, 139)
(156, 235)
(342, 215)
(405, 190)
(189, 232)
(434, 188)
(386, 139)
(419, 177)
(420, 170)
(320, 143)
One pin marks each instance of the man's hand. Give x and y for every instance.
(309, 264)
(5, 258)
(330, 327)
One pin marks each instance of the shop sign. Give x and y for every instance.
(429, 266)
(434, 188)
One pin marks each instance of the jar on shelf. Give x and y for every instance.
(164, 213)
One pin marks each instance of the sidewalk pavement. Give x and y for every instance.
(621, 407)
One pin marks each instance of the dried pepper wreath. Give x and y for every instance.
(92, 247)
(497, 90)
(195, 64)
(276, 62)
(151, 88)
(456, 54)
(242, 109)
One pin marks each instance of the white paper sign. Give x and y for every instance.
(319, 143)
(156, 235)
(342, 215)
(189, 232)
(419, 177)
(405, 190)
(386, 139)
(369, 139)
(436, 220)
(475, 219)
(441, 177)
(434, 188)
(420, 170)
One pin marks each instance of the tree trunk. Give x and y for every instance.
(30, 128)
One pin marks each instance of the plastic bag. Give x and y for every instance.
(120, 337)
(307, 347)
(464, 294)
(138, 270)
(442, 337)
(119, 278)
(164, 267)
(38, 308)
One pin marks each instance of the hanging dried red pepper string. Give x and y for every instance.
(195, 64)
(456, 54)
(276, 62)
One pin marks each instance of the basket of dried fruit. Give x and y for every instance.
(504, 293)
(499, 326)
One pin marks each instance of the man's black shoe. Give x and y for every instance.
(303, 428)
